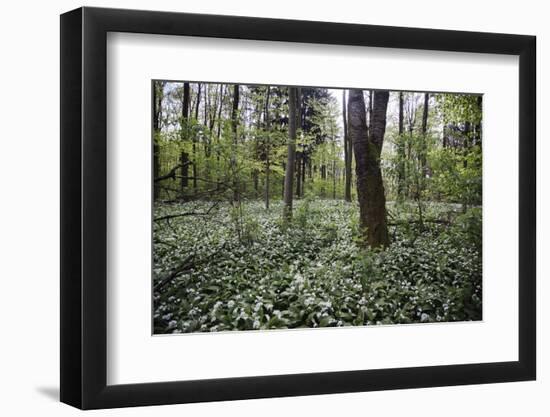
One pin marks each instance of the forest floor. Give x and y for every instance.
(220, 268)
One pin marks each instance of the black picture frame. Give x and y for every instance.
(84, 207)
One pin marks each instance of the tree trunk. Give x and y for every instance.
(158, 92)
(303, 174)
(267, 147)
(299, 155)
(347, 151)
(477, 139)
(298, 174)
(401, 152)
(369, 120)
(367, 149)
(424, 151)
(184, 157)
(234, 126)
(293, 97)
(206, 138)
(195, 140)
(184, 160)
(334, 179)
(185, 101)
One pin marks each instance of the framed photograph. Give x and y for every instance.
(257, 208)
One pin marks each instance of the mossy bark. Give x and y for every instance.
(367, 148)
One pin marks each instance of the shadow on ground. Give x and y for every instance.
(50, 392)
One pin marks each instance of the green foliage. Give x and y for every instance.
(456, 175)
(310, 274)
(459, 108)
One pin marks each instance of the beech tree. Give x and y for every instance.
(367, 148)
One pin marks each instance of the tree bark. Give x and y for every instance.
(424, 151)
(477, 139)
(304, 157)
(401, 151)
(267, 147)
(367, 149)
(347, 151)
(185, 102)
(184, 157)
(299, 156)
(158, 92)
(195, 139)
(293, 97)
(234, 127)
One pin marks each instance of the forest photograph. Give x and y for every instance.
(288, 207)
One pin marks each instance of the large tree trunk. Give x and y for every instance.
(367, 149)
(293, 97)
(347, 151)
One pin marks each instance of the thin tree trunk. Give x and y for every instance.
(401, 152)
(184, 156)
(369, 120)
(293, 97)
(478, 125)
(283, 182)
(197, 104)
(298, 174)
(158, 92)
(367, 149)
(334, 179)
(267, 147)
(303, 174)
(185, 102)
(423, 154)
(299, 155)
(234, 125)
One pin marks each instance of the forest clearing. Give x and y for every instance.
(297, 207)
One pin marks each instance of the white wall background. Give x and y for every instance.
(29, 225)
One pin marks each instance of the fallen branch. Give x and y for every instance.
(405, 222)
(189, 213)
(172, 173)
(185, 266)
